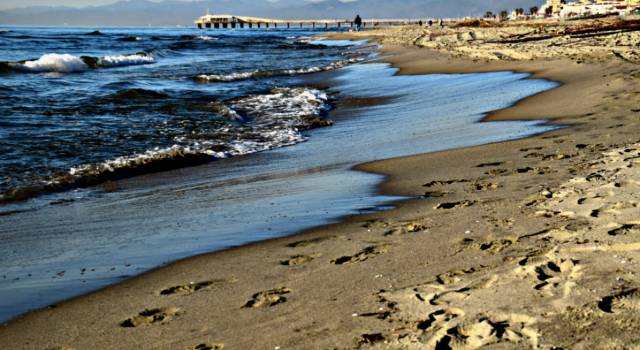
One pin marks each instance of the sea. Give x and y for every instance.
(124, 149)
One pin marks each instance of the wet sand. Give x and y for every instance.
(523, 244)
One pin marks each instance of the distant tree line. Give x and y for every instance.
(504, 14)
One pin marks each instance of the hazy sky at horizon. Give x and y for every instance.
(7, 4)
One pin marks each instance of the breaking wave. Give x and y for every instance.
(254, 124)
(66, 63)
(125, 60)
(222, 78)
(53, 62)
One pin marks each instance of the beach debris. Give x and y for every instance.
(268, 298)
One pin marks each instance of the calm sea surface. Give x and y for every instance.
(123, 149)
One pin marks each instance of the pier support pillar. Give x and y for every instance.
(313, 25)
(326, 25)
(208, 25)
(233, 25)
(275, 25)
(267, 25)
(199, 25)
(241, 25)
(258, 24)
(250, 25)
(288, 25)
(300, 24)
(225, 25)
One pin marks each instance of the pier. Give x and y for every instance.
(233, 22)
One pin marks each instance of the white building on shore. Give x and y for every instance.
(562, 8)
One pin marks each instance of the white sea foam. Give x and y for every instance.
(53, 62)
(257, 74)
(205, 38)
(276, 121)
(227, 77)
(125, 60)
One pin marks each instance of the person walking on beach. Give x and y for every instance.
(358, 22)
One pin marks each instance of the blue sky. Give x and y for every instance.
(7, 4)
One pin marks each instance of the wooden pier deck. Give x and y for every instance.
(229, 21)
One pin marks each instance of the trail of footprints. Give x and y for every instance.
(435, 315)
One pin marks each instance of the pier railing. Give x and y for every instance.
(227, 21)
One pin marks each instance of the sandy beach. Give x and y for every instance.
(523, 244)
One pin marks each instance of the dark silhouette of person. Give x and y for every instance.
(358, 22)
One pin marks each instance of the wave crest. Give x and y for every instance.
(67, 63)
(125, 60)
(225, 78)
(53, 62)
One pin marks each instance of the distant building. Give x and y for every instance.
(552, 7)
(562, 8)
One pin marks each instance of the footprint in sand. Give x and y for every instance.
(550, 273)
(484, 331)
(628, 300)
(490, 247)
(207, 346)
(455, 205)
(455, 276)
(534, 155)
(410, 227)
(626, 229)
(531, 149)
(190, 288)
(375, 224)
(371, 338)
(498, 172)
(151, 316)
(444, 182)
(301, 259)
(436, 194)
(268, 298)
(485, 165)
(362, 255)
(558, 156)
(484, 186)
(308, 242)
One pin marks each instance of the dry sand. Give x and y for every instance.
(531, 243)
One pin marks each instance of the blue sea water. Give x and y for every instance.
(189, 129)
(81, 106)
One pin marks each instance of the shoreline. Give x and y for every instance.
(366, 287)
